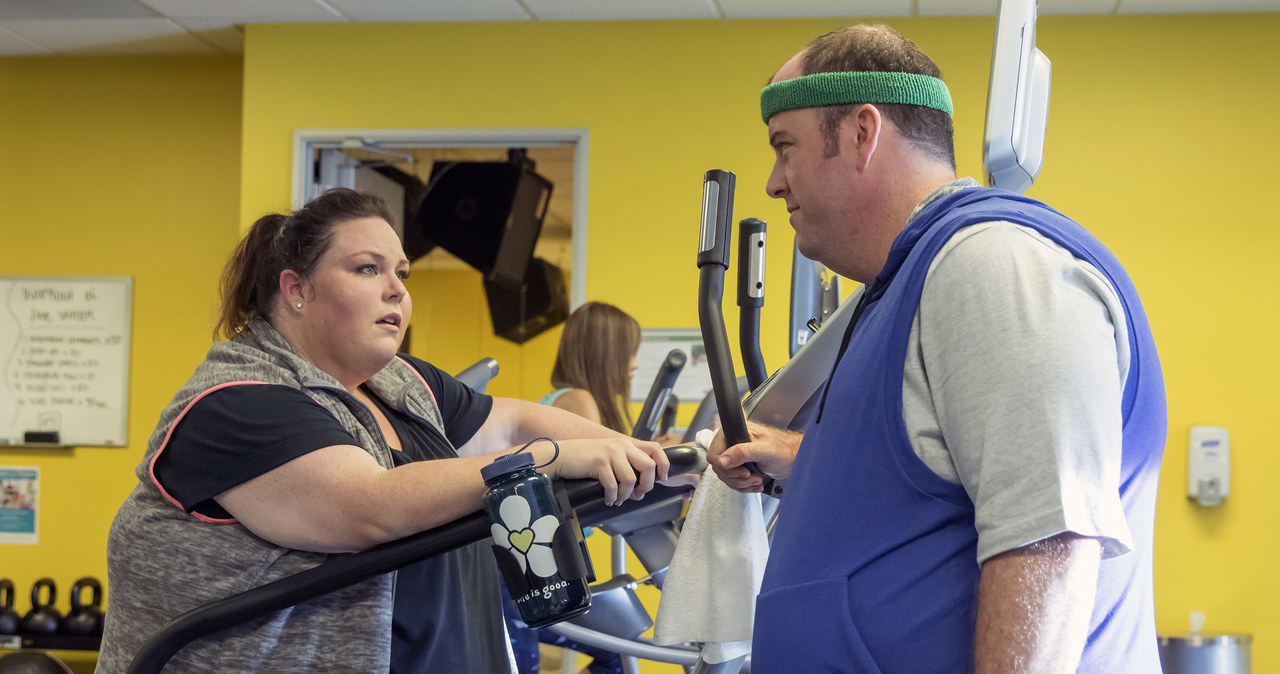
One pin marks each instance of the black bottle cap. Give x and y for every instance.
(507, 463)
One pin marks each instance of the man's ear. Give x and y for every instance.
(862, 127)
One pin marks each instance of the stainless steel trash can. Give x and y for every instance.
(1206, 654)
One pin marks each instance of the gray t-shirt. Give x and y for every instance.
(1012, 384)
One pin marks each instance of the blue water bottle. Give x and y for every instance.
(537, 542)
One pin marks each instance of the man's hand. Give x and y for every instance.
(773, 450)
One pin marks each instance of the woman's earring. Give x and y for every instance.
(299, 305)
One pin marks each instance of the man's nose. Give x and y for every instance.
(776, 185)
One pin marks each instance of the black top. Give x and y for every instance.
(240, 432)
(236, 434)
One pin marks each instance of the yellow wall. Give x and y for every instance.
(116, 167)
(1160, 132)
(452, 328)
(1159, 139)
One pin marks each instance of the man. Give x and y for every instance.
(977, 488)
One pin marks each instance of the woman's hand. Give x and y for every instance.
(627, 468)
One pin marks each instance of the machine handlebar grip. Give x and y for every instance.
(717, 218)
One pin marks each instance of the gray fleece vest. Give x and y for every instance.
(162, 562)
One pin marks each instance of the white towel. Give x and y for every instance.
(709, 594)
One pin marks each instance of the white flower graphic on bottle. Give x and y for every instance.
(529, 543)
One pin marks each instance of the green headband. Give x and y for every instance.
(823, 89)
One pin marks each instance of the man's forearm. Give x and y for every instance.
(1034, 605)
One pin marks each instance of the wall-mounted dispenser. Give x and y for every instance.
(1208, 467)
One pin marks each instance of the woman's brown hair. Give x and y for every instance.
(595, 354)
(276, 242)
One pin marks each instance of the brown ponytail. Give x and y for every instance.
(276, 242)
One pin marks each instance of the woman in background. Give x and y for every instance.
(594, 365)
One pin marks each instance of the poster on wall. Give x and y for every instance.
(19, 504)
(655, 343)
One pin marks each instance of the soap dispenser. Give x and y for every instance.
(1209, 478)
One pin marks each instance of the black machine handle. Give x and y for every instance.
(586, 496)
(713, 261)
(751, 240)
(669, 414)
(706, 411)
(656, 402)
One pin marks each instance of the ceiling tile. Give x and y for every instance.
(957, 7)
(752, 9)
(436, 10)
(139, 26)
(1076, 7)
(990, 7)
(1187, 6)
(246, 11)
(74, 9)
(595, 10)
(111, 36)
(12, 44)
(224, 37)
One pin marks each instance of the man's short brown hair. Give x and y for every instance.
(880, 49)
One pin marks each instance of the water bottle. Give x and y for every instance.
(538, 546)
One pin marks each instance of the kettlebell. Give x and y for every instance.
(8, 616)
(43, 617)
(32, 662)
(84, 620)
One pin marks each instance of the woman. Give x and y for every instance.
(594, 365)
(304, 435)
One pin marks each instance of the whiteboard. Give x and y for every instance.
(64, 347)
